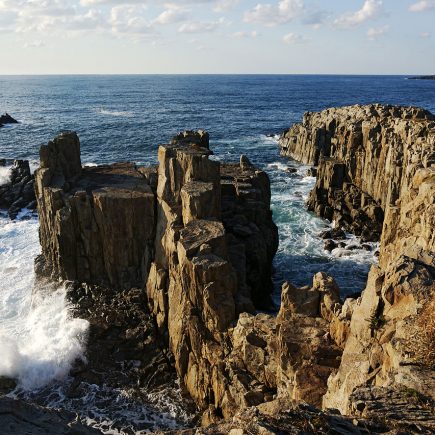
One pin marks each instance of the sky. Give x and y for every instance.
(217, 36)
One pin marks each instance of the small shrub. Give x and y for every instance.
(376, 321)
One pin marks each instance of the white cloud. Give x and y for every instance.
(34, 44)
(201, 26)
(422, 5)
(225, 5)
(130, 19)
(375, 33)
(293, 38)
(425, 35)
(371, 9)
(243, 34)
(272, 15)
(172, 14)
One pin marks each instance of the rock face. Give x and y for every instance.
(376, 177)
(18, 192)
(197, 238)
(209, 218)
(197, 235)
(366, 158)
(97, 224)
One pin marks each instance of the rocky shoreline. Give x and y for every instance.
(172, 267)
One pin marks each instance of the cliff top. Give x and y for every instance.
(364, 112)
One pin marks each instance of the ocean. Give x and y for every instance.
(121, 118)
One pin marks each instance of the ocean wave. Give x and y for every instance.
(39, 338)
(107, 112)
(5, 174)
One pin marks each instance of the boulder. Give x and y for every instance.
(18, 192)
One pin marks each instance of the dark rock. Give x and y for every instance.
(7, 119)
(335, 233)
(18, 417)
(18, 193)
(329, 245)
(311, 172)
(245, 163)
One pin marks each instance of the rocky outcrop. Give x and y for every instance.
(209, 219)
(366, 158)
(97, 224)
(198, 238)
(199, 234)
(7, 119)
(18, 192)
(376, 177)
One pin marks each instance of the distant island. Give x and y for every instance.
(422, 78)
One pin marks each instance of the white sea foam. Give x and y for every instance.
(278, 165)
(38, 337)
(107, 112)
(5, 174)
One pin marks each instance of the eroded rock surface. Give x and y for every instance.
(367, 157)
(376, 178)
(97, 224)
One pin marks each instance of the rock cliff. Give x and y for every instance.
(97, 224)
(376, 178)
(191, 243)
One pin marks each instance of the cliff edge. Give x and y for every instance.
(376, 178)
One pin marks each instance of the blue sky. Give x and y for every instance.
(217, 36)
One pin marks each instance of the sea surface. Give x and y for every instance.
(122, 118)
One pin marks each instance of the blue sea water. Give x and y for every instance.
(122, 118)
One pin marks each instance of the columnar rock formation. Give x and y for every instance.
(198, 238)
(97, 224)
(376, 177)
(367, 157)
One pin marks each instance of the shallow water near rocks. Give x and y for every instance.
(125, 118)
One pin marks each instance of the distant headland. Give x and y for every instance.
(422, 78)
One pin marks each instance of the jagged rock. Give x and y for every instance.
(245, 163)
(7, 119)
(18, 193)
(334, 233)
(18, 417)
(379, 349)
(97, 224)
(311, 172)
(283, 416)
(252, 236)
(376, 178)
(329, 245)
(400, 406)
